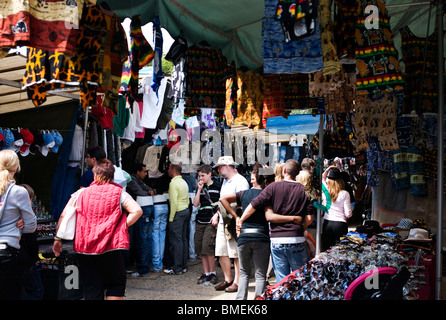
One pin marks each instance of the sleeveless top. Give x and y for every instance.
(101, 225)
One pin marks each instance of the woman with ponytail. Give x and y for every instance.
(14, 204)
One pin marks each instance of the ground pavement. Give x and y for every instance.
(180, 287)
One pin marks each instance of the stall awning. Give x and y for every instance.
(294, 124)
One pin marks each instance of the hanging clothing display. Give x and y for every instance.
(177, 50)
(429, 128)
(178, 80)
(298, 56)
(376, 119)
(229, 113)
(249, 99)
(157, 65)
(297, 18)
(151, 159)
(430, 163)
(77, 145)
(45, 25)
(113, 54)
(167, 109)
(420, 80)
(336, 138)
(345, 15)
(329, 52)
(47, 70)
(103, 114)
(295, 91)
(377, 67)
(208, 119)
(273, 102)
(377, 160)
(134, 123)
(141, 54)
(122, 118)
(178, 113)
(207, 70)
(152, 103)
(337, 89)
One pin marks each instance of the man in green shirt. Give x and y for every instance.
(178, 219)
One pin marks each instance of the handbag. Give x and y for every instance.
(67, 226)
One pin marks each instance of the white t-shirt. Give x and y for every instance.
(235, 184)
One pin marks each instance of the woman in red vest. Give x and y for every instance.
(103, 214)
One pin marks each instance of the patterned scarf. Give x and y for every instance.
(141, 54)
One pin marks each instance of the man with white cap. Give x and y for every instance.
(227, 249)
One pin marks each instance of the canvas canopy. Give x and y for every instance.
(235, 27)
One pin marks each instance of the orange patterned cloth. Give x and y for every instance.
(51, 25)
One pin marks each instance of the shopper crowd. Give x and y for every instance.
(237, 224)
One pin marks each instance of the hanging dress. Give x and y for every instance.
(420, 98)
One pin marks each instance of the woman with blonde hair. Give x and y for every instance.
(14, 204)
(103, 214)
(278, 171)
(339, 207)
(307, 177)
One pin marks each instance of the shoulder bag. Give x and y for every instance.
(67, 226)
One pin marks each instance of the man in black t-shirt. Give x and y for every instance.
(208, 192)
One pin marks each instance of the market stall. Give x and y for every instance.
(239, 93)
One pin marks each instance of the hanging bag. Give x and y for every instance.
(67, 226)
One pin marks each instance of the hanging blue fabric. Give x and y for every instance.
(157, 65)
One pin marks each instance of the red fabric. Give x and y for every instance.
(101, 226)
(273, 103)
(104, 115)
(21, 28)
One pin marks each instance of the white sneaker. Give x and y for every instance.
(170, 271)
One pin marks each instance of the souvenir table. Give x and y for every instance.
(330, 274)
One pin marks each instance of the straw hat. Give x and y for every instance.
(418, 234)
(225, 161)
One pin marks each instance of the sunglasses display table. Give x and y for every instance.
(360, 270)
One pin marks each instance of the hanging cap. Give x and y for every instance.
(28, 139)
(48, 143)
(57, 141)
